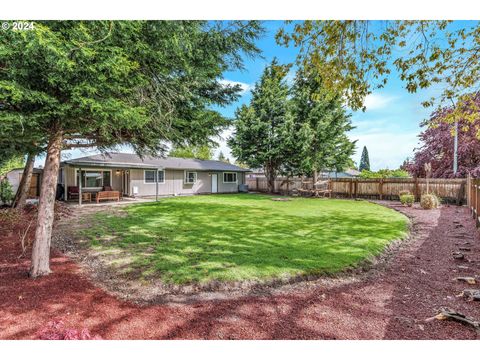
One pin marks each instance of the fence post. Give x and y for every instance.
(469, 181)
(355, 188)
(380, 188)
(475, 214)
(415, 190)
(256, 184)
(350, 188)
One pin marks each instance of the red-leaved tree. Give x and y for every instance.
(438, 146)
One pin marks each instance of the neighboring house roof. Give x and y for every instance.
(340, 174)
(148, 162)
(35, 170)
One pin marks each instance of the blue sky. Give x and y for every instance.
(389, 127)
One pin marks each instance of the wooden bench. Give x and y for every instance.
(108, 195)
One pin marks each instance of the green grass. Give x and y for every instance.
(243, 236)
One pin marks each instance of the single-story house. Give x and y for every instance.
(15, 176)
(348, 173)
(150, 176)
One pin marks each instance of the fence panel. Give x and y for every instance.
(448, 189)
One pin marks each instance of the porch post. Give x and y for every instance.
(156, 185)
(65, 185)
(80, 186)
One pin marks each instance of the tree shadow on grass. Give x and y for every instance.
(186, 242)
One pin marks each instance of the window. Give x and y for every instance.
(149, 177)
(190, 177)
(94, 178)
(229, 177)
(161, 176)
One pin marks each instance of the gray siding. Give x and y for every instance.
(14, 178)
(173, 184)
(70, 174)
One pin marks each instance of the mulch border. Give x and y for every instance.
(156, 292)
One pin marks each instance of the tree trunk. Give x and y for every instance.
(315, 177)
(270, 175)
(46, 207)
(23, 188)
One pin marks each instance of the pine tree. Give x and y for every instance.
(364, 160)
(322, 118)
(223, 158)
(263, 129)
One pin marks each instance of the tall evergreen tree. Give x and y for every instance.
(262, 136)
(325, 124)
(222, 157)
(364, 160)
(80, 84)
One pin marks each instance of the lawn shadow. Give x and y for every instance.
(193, 242)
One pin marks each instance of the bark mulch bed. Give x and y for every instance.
(389, 303)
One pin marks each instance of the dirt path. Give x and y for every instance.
(392, 303)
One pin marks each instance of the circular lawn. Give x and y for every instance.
(237, 237)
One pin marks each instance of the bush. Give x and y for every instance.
(429, 201)
(6, 192)
(407, 199)
(403, 192)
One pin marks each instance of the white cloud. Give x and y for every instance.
(377, 101)
(385, 149)
(222, 144)
(245, 87)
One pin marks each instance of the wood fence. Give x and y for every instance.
(473, 198)
(388, 189)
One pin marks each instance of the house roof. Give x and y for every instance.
(345, 173)
(122, 160)
(35, 170)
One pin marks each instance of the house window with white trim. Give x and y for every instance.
(149, 176)
(229, 177)
(190, 177)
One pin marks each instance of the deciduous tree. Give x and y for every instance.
(438, 147)
(355, 57)
(203, 152)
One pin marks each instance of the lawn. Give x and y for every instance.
(242, 237)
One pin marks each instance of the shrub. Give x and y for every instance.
(9, 218)
(407, 199)
(429, 201)
(6, 192)
(56, 330)
(403, 192)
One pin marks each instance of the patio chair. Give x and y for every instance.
(73, 191)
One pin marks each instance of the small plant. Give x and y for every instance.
(429, 201)
(56, 330)
(403, 192)
(6, 192)
(407, 199)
